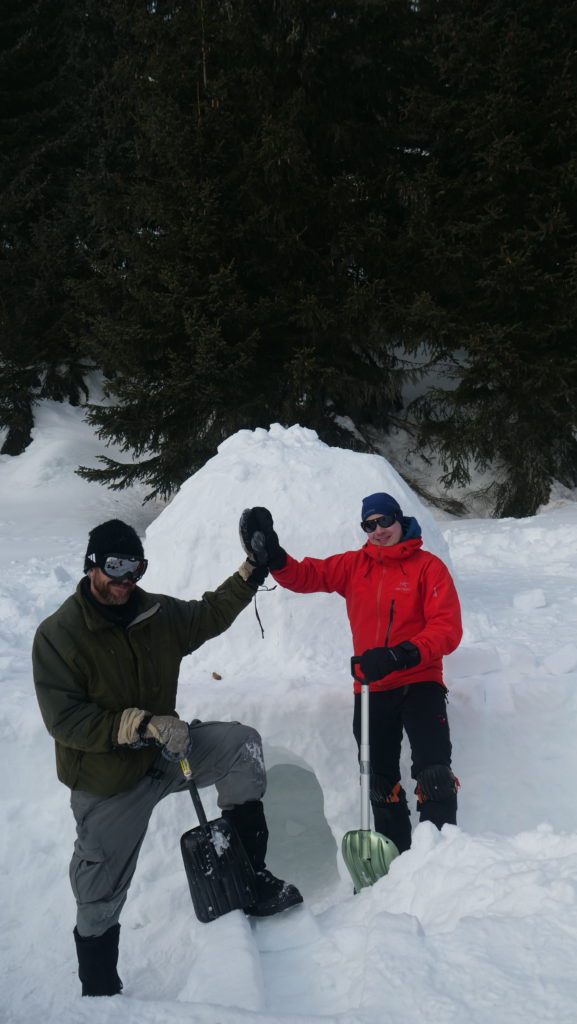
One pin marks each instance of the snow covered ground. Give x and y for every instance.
(474, 925)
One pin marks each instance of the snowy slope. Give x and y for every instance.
(475, 924)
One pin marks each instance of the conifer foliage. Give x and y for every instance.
(45, 68)
(250, 211)
(234, 195)
(497, 233)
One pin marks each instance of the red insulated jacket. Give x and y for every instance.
(393, 594)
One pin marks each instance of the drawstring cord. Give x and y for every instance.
(256, 609)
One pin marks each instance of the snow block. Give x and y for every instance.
(473, 660)
(528, 600)
(562, 661)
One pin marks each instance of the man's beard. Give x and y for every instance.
(103, 593)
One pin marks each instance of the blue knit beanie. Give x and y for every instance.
(380, 504)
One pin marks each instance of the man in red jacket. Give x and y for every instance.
(405, 615)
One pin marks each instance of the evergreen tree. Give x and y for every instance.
(246, 197)
(494, 233)
(47, 59)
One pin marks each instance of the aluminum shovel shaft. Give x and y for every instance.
(365, 761)
(367, 854)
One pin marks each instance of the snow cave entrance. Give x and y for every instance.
(302, 848)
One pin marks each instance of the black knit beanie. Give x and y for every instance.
(112, 538)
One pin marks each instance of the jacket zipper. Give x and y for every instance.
(378, 599)
(390, 626)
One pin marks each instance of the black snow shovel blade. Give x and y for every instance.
(219, 873)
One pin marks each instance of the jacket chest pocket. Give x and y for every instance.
(145, 667)
(125, 667)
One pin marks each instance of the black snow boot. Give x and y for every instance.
(97, 960)
(273, 895)
(436, 791)
(390, 812)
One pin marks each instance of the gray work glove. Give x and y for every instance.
(169, 732)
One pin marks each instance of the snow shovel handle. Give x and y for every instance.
(364, 751)
(187, 772)
(355, 661)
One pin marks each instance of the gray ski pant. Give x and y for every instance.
(110, 830)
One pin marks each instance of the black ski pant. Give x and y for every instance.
(420, 709)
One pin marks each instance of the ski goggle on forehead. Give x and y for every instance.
(370, 525)
(121, 567)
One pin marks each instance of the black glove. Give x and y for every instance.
(381, 661)
(259, 539)
(253, 574)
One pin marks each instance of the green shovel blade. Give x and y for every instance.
(368, 856)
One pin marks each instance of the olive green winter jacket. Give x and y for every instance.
(87, 670)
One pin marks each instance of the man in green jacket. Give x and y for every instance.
(106, 667)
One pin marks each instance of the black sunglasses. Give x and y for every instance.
(370, 525)
(120, 567)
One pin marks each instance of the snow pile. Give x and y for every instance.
(314, 493)
(476, 923)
